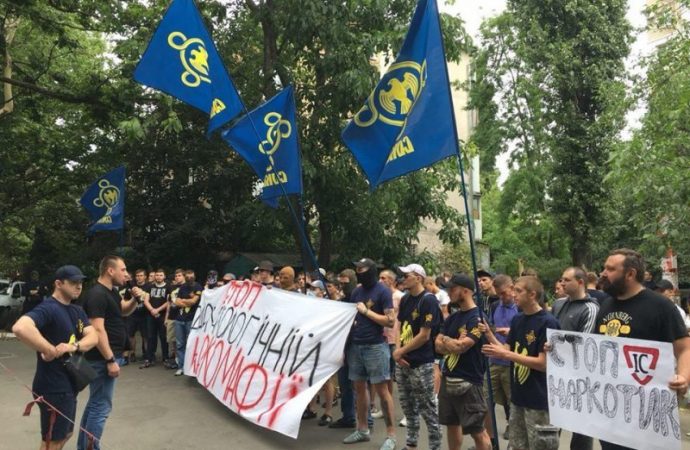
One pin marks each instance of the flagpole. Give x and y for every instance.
(470, 233)
(301, 225)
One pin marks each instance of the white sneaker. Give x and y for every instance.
(403, 422)
(376, 413)
(179, 372)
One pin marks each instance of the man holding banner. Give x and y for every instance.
(636, 312)
(368, 355)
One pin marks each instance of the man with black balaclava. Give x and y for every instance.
(368, 354)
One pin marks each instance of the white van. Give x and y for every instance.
(12, 295)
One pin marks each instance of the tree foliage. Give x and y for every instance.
(77, 113)
(550, 84)
(649, 172)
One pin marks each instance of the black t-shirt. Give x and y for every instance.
(187, 291)
(173, 311)
(471, 364)
(57, 323)
(140, 310)
(378, 299)
(102, 303)
(527, 336)
(159, 294)
(413, 314)
(647, 315)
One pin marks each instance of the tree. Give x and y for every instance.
(649, 172)
(550, 81)
(78, 113)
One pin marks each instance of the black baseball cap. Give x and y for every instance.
(365, 263)
(664, 285)
(460, 279)
(69, 272)
(485, 273)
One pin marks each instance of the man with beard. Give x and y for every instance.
(348, 283)
(462, 407)
(369, 355)
(636, 312)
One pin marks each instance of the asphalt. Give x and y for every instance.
(154, 410)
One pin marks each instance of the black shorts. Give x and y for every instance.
(66, 403)
(136, 323)
(467, 411)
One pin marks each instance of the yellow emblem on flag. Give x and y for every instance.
(193, 56)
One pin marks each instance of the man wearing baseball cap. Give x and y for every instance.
(369, 355)
(419, 313)
(462, 407)
(54, 328)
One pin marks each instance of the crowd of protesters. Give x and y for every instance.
(436, 338)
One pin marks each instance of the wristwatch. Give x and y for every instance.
(111, 360)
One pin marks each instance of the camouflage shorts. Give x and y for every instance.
(523, 422)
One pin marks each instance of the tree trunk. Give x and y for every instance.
(8, 32)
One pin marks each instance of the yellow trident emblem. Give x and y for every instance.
(108, 197)
(196, 63)
(394, 97)
(278, 128)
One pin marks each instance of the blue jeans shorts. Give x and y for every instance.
(369, 362)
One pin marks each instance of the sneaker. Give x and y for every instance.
(179, 372)
(308, 414)
(376, 413)
(147, 364)
(403, 422)
(325, 420)
(342, 423)
(125, 362)
(388, 444)
(358, 436)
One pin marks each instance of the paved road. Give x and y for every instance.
(154, 410)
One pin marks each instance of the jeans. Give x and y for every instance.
(347, 395)
(156, 330)
(182, 330)
(99, 405)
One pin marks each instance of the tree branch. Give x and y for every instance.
(62, 96)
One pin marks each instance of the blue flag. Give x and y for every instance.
(182, 61)
(274, 154)
(407, 122)
(105, 201)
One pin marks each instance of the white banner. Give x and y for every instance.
(264, 353)
(614, 389)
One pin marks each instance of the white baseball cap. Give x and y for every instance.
(414, 268)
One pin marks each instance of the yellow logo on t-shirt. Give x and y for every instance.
(452, 360)
(615, 324)
(530, 337)
(406, 334)
(520, 372)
